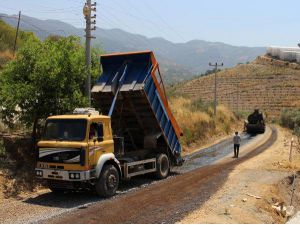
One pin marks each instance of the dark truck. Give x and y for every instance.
(255, 123)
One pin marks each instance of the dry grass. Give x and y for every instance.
(196, 119)
(5, 56)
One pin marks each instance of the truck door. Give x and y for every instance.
(96, 138)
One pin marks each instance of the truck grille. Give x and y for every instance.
(60, 155)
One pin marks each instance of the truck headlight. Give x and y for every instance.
(74, 176)
(39, 173)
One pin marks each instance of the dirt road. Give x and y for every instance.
(164, 202)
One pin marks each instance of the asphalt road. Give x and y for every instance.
(169, 200)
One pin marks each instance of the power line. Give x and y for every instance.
(138, 18)
(135, 37)
(164, 21)
(24, 21)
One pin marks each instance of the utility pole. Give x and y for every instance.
(237, 97)
(17, 32)
(216, 65)
(87, 10)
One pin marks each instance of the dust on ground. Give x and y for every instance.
(253, 187)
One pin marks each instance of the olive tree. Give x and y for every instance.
(45, 78)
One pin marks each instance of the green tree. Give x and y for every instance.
(45, 78)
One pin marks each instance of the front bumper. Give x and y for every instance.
(65, 174)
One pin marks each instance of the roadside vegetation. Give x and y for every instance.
(7, 40)
(196, 119)
(290, 118)
(43, 78)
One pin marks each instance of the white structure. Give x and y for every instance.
(290, 54)
(287, 55)
(275, 51)
(85, 111)
(298, 57)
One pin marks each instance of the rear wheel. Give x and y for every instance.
(163, 166)
(108, 181)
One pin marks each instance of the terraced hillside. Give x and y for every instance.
(265, 83)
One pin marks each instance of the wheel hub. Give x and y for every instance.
(111, 181)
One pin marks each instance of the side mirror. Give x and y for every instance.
(95, 139)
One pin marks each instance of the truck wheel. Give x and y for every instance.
(162, 166)
(108, 181)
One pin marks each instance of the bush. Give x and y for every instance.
(196, 119)
(290, 118)
(242, 114)
(200, 105)
(2, 149)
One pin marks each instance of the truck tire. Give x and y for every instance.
(108, 181)
(162, 166)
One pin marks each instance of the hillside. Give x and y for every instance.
(179, 61)
(7, 36)
(265, 83)
(7, 41)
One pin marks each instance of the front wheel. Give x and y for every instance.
(163, 166)
(108, 181)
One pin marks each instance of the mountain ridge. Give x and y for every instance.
(179, 61)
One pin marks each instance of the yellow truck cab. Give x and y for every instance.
(138, 135)
(75, 148)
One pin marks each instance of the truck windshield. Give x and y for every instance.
(65, 129)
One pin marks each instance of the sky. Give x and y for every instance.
(236, 22)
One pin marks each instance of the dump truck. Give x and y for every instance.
(134, 134)
(255, 123)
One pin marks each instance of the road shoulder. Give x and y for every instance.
(251, 189)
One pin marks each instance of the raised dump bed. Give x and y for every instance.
(141, 113)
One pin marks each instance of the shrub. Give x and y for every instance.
(242, 114)
(290, 118)
(196, 119)
(2, 149)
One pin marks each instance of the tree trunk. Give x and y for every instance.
(34, 137)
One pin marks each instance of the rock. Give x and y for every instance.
(227, 211)
(285, 211)
(254, 196)
(244, 199)
(290, 211)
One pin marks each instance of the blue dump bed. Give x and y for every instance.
(141, 113)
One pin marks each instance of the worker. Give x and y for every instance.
(236, 144)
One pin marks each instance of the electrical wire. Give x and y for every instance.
(164, 21)
(137, 18)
